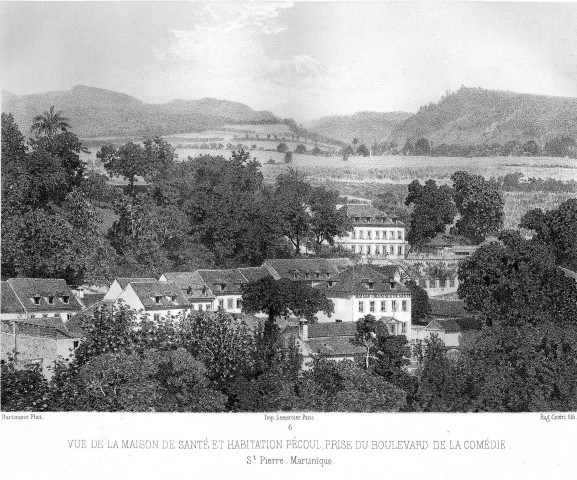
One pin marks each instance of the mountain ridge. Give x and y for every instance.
(479, 116)
(97, 112)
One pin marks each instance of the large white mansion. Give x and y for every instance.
(374, 234)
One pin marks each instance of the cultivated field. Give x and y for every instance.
(400, 169)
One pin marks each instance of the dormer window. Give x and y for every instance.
(50, 300)
(371, 285)
(172, 297)
(328, 275)
(295, 275)
(157, 299)
(36, 299)
(331, 283)
(318, 275)
(65, 299)
(307, 275)
(189, 291)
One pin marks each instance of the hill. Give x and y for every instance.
(95, 112)
(476, 116)
(368, 127)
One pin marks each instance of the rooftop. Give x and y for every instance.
(125, 281)
(191, 284)
(304, 268)
(366, 213)
(223, 281)
(149, 292)
(447, 308)
(362, 278)
(254, 273)
(42, 294)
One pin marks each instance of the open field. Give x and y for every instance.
(401, 169)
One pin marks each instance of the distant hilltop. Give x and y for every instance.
(367, 127)
(96, 112)
(477, 116)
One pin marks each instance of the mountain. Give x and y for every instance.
(368, 127)
(476, 116)
(95, 112)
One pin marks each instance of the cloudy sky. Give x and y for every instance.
(302, 59)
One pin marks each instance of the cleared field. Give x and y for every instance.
(399, 169)
(519, 203)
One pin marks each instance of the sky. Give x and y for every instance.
(302, 60)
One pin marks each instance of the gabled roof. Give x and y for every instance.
(335, 347)
(389, 271)
(92, 298)
(447, 308)
(223, 282)
(447, 240)
(453, 325)
(10, 302)
(287, 268)
(46, 327)
(147, 291)
(27, 288)
(367, 214)
(361, 278)
(332, 329)
(191, 284)
(254, 273)
(569, 273)
(125, 281)
(341, 263)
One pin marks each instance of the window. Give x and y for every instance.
(32, 315)
(371, 285)
(403, 327)
(361, 234)
(394, 305)
(331, 284)
(392, 250)
(400, 250)
(65, 299)
(44, 315)
(354, 234)
(221, 303)
(361, 306)
(229, 303)
(50, 300)
(368, 249)
(238, 303)
(368, 234)
(208, 307)
(189, 290)
(399, 235)
(377, 236)
(377, 250)
(383, 305)
(157, 317)
(404, 305)
(318, 275)
(296, 275)
(306, 274)
(384, 234)
(157, 298)
(442, 283)
(75, 343)
(328, 275)
(371, 306)
(36, 300)
(451, 282)
(56, 315)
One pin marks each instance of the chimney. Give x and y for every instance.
(304, 330)
(392, 283)
(77, 290)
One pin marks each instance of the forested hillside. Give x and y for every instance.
(475, 116)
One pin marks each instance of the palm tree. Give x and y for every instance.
(49, 123)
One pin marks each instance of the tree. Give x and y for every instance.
(316, 150)
(433, 210)
(288, 157)
(23, 389)
(128, 161)
(366, 336)
(440, 380)
(480, 205)
(560, 147)
(363, 150)
(408, 148)
(282, 148)
(422, 147)
(280, 297)
(301, 149)
(420, 306)
(291, 200)
(557, 229)
(327, 220)
(49, 123)
(531, 148)
(517, 283)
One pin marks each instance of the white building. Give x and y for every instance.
(154, 299)
(360, 291)
(198, 294)
(374, 235)
(119, 284)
